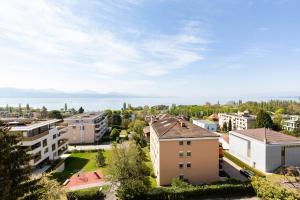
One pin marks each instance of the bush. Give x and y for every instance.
(132, 189)
(268, 190)
(100, 158)
(115, 133)
(242, 164)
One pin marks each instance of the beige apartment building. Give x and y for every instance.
(43, 139)
(239, 121)
(179, 149)
(86, 128)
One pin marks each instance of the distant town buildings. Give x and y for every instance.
(209, 125)
(293, 123)
(179, 149)
(265, 149)
(43, 139)
(239, 121)
(86, 128)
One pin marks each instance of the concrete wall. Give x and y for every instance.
(76, 135)
(204, 161)
(273, 158)
(292, 156)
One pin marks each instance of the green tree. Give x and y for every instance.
(27, 107)
(80, 110)
(44, 112)
(229, 125)
(66, 107)
(14, 168)
(124, 106)
(116, 119)
(225, 128)
(100, 158)
(132, 189)
(263, 120)
(115, 133)
(55, 114)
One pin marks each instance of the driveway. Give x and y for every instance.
(89, 147)
(232, 170)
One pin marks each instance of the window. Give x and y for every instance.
(74, 127)
(44, 142)
(181, 176)
(54, 136)
(188, 142)
(189, 165)
(46, 150)
(180, 142)
(180, 154)
(180, 165)
(189, 153)
(53, 147)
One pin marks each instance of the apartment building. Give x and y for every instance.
(293, 123)
(239, 121)
(86, 128)
(43, 139)
(179, 149)
(209, 125)
(265, 149)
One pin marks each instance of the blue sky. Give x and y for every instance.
(162, 47)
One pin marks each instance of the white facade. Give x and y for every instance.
(292, 123)
(209, 125)
(43, 140)
(262, 156)
(239, 121)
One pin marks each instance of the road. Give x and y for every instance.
(232, 170)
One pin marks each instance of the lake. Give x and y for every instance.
(94, 104)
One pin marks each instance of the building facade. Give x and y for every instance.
(209, 125)
(179, 149)
(264, 149)
(239, 121)
(293, 123)
(86, 128)
(43, 139)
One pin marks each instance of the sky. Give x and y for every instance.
(152, 47)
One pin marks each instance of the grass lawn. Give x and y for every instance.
(149, 164)
(79, 162)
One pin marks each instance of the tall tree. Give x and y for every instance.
(66, 107)
(116, 119)
(225, 128)
(263, 120)
(100, 158)
(229, 125)
(80, 110)
(44, 112)
(14, 168)
(124, 106)
(27, 107)
(55, 114)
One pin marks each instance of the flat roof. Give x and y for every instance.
(205, 121)
(34, 125)
(267, 135)
(88, 115)
(171, 128)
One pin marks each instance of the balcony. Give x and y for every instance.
(62, 150)
(61, 142)
(28, 139)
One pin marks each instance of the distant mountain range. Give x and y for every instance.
(51, 93)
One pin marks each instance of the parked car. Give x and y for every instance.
(246, 173)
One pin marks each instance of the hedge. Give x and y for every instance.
(227, 189)
(242, 164)
(268, 190)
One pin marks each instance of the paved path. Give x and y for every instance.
(80, 187)
(89, 147)
(232, 170)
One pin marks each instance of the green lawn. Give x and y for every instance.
(79, 162)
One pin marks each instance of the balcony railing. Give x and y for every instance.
(36, 136)
(61, 142)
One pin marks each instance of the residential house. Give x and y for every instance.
(293, 123)
(179, 149)
(209, 125)
(86, 128)
(264, 149)
(239, 121)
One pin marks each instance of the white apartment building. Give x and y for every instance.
(209, 125)
(43, 139)
(86, 128)
(292, 123)
(239, 121)
(264, 149)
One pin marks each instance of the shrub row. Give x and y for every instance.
(227, 189)
(242, 164)
(268, 190)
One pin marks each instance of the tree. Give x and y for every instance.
(124, 106)
(80, 110)
(263, 120)
(115, 133)
(225, 127)
(27, 107)
(229, 125)
(55, 114)
(66, 107)
(46, 189)
(14, 168)
(116, 119)
(100, 158)
(44, 112)
(132, 189)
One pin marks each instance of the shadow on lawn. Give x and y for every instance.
(72, 166)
